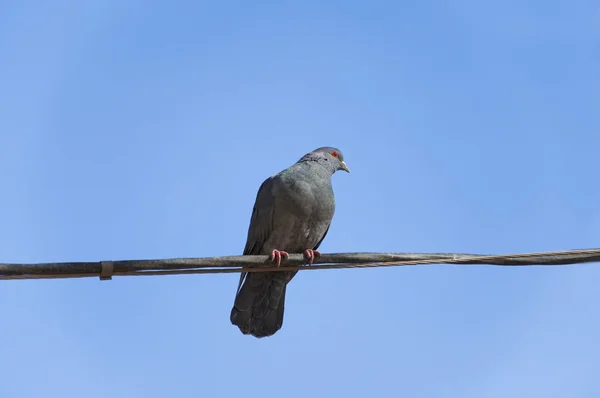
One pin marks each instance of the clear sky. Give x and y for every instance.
(136, 129)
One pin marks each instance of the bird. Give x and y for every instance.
(292, 213)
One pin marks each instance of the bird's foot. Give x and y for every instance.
(311, 255)
(277, 256)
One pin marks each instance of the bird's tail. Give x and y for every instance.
(259, 303)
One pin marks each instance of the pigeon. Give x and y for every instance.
(292, 214)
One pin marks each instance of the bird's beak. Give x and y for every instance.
(344, 167)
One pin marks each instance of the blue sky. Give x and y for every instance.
(136, 129)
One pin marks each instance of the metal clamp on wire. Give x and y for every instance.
(107, 270)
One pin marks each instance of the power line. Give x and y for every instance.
(232, 264)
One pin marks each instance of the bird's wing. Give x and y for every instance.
(323, 237)
(261, 222)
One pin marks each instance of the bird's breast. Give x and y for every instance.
(309, 200)
(304, 210)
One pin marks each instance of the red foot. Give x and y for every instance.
(311, 255)
(277, 256)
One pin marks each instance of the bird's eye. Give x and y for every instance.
(334, 154)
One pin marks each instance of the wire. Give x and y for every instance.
(236, 264)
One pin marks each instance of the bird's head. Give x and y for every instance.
(330, 156)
